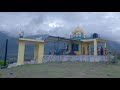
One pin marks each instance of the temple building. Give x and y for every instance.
(81, 45)
(77, 44)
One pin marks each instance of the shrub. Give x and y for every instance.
(118, 56)
(114, 60)
(2, 63)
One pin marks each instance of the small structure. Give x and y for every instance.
(38, 50)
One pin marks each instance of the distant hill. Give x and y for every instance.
(113, 46)
(13, 46)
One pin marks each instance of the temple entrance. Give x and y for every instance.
(38, 50)
(29, 52)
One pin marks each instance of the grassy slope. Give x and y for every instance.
(63, 70)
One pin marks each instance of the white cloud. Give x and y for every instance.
(107, 24)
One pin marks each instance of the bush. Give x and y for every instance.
(114, 60)
(118, 56)
(2, 63)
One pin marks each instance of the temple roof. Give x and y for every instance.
(78, 32)
(78, 29)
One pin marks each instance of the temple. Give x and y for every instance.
(81, 45)
(77, 44)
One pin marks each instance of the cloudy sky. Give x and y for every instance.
(107, 24)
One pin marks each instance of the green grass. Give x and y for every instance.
(2, 63)
(63, 70)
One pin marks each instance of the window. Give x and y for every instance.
(75, 47)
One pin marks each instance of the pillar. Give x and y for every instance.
(95, 47)
(69, 47)
(104, 44)
(81, 49)
(21, 49)
(88, 48)
(104, 52)
(40, 52)
(35, 51)
(79, 52)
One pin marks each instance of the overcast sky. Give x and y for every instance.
(107, 24)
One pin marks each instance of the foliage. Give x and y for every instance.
(2, 63)
(118, 56)
(114, 60)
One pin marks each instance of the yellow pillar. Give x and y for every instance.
(79, 52)
(104, 48)
(40, 52)
(35, 51)
(21, 48)
(81, 48)
(104, 44)
(85, 48)
(88, 46)
(95, 47)
(69, 47)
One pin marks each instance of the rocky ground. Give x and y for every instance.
(25, 62)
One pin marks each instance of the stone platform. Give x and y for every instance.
(84, 58)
